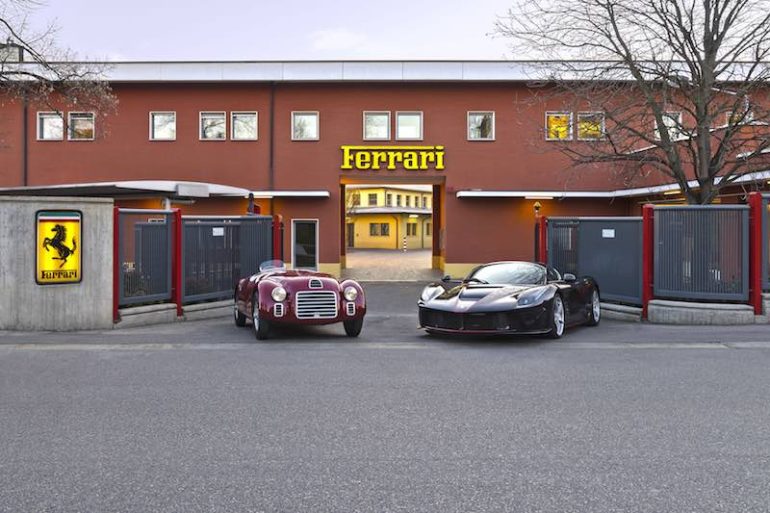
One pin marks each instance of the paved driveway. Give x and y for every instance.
(388, 264)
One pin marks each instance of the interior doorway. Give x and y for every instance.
(390, 231)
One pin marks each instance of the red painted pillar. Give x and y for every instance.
(648, 256)
(542, 248)
(755, 251)
(176, 265)
(277, 237)
(116, 264)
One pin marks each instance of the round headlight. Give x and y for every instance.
(278, 294)
(351, 293)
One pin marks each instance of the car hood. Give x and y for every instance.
(472, 297)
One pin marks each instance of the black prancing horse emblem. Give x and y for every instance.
(58, 244)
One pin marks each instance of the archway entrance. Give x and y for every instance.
(391, 230)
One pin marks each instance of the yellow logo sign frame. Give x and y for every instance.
(376, 158)
(58, 244)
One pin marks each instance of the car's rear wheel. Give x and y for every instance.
(557, 318)
(353, 328)
(595, 310)
(261, 326)
(240, 319)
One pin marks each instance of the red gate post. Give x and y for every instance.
(648, 256)
(755, 251)
(116, 264)
(542, 248)
(176, 266)
(277, 237)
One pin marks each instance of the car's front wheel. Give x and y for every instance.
(595, 310)
(353, 328)
(261, 326)
(557, 318)
(240, 319)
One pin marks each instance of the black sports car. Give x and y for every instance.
(510, 298)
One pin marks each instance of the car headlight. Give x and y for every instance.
(429, 293)
(278, 294)
(350, 293)
(532, 297)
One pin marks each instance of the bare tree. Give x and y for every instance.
(34, 69)
(680, 86)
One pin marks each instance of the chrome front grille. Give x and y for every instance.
(278, 309)
(320, 304)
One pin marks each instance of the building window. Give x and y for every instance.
(304, 126)
(427, 228)
(558, 126)
(213, 126)
(673, 122)
(411, 229)
(80, 126)
(377, 126)
(409, 126)
(481, 126)
(389, 199)
(424, 202)
(590, 126)
(356, 199)
(243, 126)
(379, 229)
(162, 126)
(372, 199)
(50, 126)
(398, 200)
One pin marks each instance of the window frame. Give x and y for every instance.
(468, 125)
(363, 126)
(603, 135)
(223, 113)
(49, 113)
(369, 196)
(152, 131)
(305, 112)
(571, 124)
(680, 134)
(232, 125)
(422, 125)
(69, 125)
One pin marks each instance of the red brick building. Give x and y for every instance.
(279, 130)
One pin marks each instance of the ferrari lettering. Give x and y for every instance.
(375, 158)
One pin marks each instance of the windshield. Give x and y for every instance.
(272, 265)
(515, 273)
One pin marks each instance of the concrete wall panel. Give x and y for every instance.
(25, 305)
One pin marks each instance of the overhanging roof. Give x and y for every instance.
(389, 210)
(159, 187)
(620, 193)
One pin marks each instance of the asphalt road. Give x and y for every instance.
(198, 416)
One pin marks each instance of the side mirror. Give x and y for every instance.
(569, 277)
(446, 278)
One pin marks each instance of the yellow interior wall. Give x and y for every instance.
(395, 239)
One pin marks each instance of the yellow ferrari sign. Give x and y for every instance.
(58, 247)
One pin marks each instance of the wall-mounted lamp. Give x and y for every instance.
(537, 206)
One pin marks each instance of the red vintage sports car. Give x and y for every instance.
(276, 295)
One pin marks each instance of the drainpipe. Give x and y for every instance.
(24, 148)
(271, 168)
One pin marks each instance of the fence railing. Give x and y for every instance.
(144, 240)
(218, 251)
(702, 252)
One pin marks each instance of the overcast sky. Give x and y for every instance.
(275, 29)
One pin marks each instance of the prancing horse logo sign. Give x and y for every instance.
(58, 254)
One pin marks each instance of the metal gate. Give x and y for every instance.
(218, 251)
(144, 256)
(606, 248)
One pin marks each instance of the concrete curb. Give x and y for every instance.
(213, 310)
(684, 312)
(146, 315)
(621, 312)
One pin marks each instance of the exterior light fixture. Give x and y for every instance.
(672, 193)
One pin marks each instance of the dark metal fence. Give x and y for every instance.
(702, 252)
(145, 241)
(217, 251)
(607, 248)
